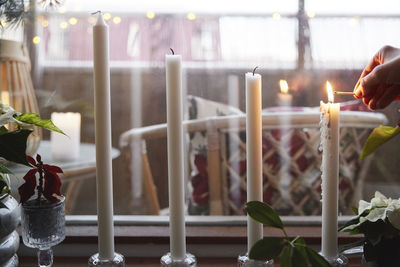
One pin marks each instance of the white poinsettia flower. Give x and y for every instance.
(379, 200)
(363, 206)
(6, 114)
(393, 213)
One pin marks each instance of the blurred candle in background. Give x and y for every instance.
(66, 147)
(5, 97)
(284, 97)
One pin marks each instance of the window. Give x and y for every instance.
(304, 42)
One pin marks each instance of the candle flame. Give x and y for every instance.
(284, 86)
(330, 92)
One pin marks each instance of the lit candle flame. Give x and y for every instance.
(284, 86)
(330, 92)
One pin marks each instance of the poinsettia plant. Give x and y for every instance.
(379, 222)
(13, 142)
(292, 253)
(49, 181)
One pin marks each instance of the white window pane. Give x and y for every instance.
(372, 7)
(350, 42)
(258, 39)
(184, 6)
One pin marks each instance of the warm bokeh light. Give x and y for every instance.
(73, 21)
(191, 16)
(63, 25)
(62, 10)
(310, 14)
(117, 20)
(45, 23)
(284, 86)
(150, 15)
(330, 92)
(5, 97)
(36, 40)
(276, 16)
(107, 16)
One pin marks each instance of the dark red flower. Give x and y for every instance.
(48, 173)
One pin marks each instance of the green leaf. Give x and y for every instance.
(300, 244)
(354, 209)
(13, 146)
(370, 252)
(350, 225)
(4, 169)
(286, 257)
(3, 130)
(298, 258)
(378, 137)
(33, 118)
(264, 214)
(315, 259)
(4, 184)
(267, 248)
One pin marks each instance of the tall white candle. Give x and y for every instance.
(103, 139)
(254, 152)
(66, 147)
(175, 156)
(330, 119)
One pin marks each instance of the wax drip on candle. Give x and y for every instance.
(255, 70)
(172, 51)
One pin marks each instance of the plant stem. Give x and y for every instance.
(40, 186)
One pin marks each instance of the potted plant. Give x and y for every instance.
(379, 222)
(12, 149)
(43, 209)
(290, 253)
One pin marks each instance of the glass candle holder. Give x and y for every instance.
(188, 260)
(43, 226)
(245, 261)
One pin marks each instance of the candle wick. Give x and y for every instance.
(172, 51)
(97, 12)
(254, 70)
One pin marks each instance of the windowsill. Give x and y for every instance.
(148, 236)
(145, 243)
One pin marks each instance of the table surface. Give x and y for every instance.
(87, 158)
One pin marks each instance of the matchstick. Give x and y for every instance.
(343, 93)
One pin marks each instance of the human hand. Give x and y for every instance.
(379, 83)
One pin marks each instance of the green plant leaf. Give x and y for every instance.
(4, 169)
(264, 214)
(3, 130)
(350, 225)
(369, 252)
(378, 137)
(354, 209)
(33, 118)
(298, 258)
(300, 244)
(13, 146)
(267, 248)
(286, 257)
(315, 259)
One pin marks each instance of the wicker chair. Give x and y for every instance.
(290, 141)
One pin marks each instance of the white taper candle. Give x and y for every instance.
(175, 156)
(103, 139)
(330, 119)
(254, 152)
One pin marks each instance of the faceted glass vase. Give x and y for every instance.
(43, 226)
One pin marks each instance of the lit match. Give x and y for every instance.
(343, 93)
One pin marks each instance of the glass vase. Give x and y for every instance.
(43, 226)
